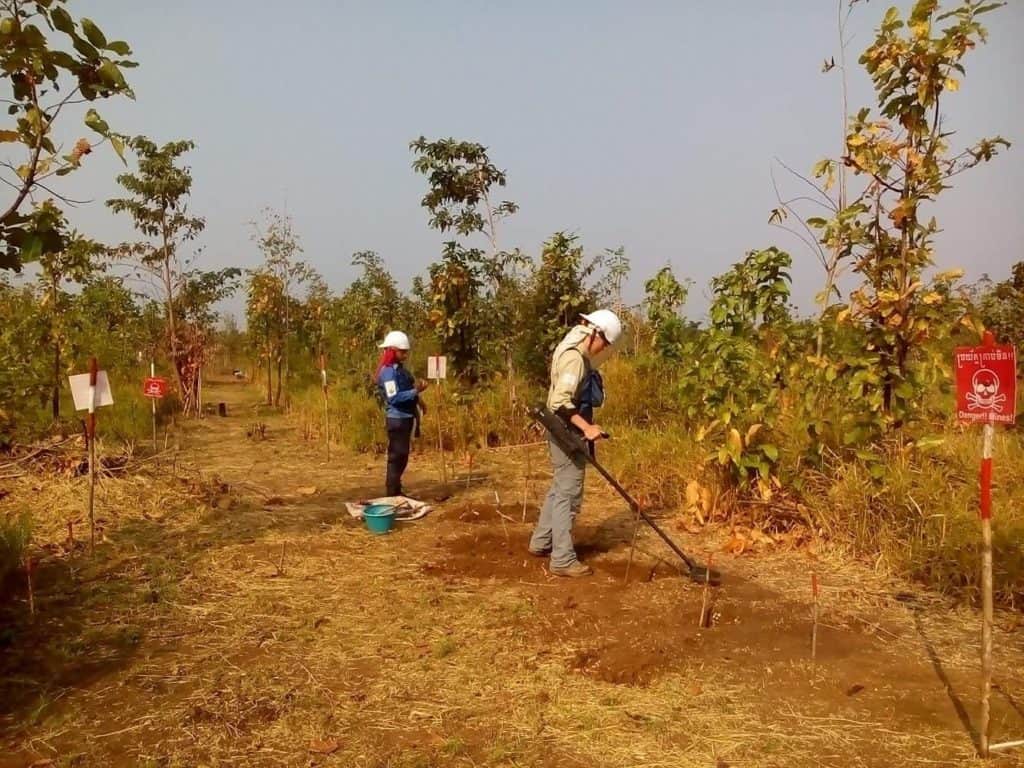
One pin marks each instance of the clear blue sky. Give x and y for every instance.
(651, 125)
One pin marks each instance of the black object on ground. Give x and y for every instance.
(574, 445)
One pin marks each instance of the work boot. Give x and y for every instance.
(574, 571)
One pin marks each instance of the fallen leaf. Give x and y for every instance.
(854, 690)
(326, 747)
(307, 490)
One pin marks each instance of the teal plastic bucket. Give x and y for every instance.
(379, 518)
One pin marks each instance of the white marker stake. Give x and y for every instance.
(91, 438)
(327, 422)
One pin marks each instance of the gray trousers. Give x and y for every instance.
(554, 528)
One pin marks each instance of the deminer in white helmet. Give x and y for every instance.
(576, 390)
(399, 393)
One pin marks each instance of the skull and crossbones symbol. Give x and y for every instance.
(985, 395)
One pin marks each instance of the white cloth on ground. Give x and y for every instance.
(406, 509)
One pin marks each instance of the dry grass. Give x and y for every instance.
(185, 641)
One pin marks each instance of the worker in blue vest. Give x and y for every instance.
(399, 392)
(575, 391)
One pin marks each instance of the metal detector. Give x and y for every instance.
(574, 445)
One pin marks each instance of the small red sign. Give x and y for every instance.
(154, 387)
(986, 384)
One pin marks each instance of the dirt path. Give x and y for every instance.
(236, 615)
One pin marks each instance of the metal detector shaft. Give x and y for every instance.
(574, 445)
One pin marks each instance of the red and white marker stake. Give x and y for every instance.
(986, 586)
(986, 388)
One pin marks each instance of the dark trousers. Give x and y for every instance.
(399, 445)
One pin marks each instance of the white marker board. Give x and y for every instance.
(80, 390)
(437, 367)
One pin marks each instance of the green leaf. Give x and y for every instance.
(118, 146)
(111, 75)
(93, 33)
(770, 451)
(62, 21)
(96, 123)
(120, 47)
(31, 248)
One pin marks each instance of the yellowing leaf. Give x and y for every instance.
(692, 493)
(734, 443)
(754, 429)
(952, 84)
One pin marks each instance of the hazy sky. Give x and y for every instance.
(651, 125)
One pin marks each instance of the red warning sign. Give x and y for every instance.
(154, 387)
(986, 384)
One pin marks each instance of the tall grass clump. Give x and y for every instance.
(15, 533)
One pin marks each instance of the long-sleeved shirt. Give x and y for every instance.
(398, 388)
(569, 369)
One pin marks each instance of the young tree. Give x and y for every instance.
(461, 179)
(63, 257)
(734, 370)
(45, 80)
(158, 205)
(664, 298)
(904, 158)
(280, 247)
(456, 308)
(563, 286)
(264, 310)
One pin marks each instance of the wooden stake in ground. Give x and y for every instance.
(986, 586)
(29, 565)
(71, 539)
(632, 549)
(90, 428)
(497, 509)
(327, 421)
(440, 433)
(814, 617)
(705, 617)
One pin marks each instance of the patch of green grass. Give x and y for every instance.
(444, 648)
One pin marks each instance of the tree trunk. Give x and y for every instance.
(277, 395)
(168, 279)
(56, 350)
(270, 379)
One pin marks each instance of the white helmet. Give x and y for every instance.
(607, 322)
(395, 339)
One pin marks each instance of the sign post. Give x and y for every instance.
(986, 393)
(437, 370)
(154, 388)
(91, 391)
